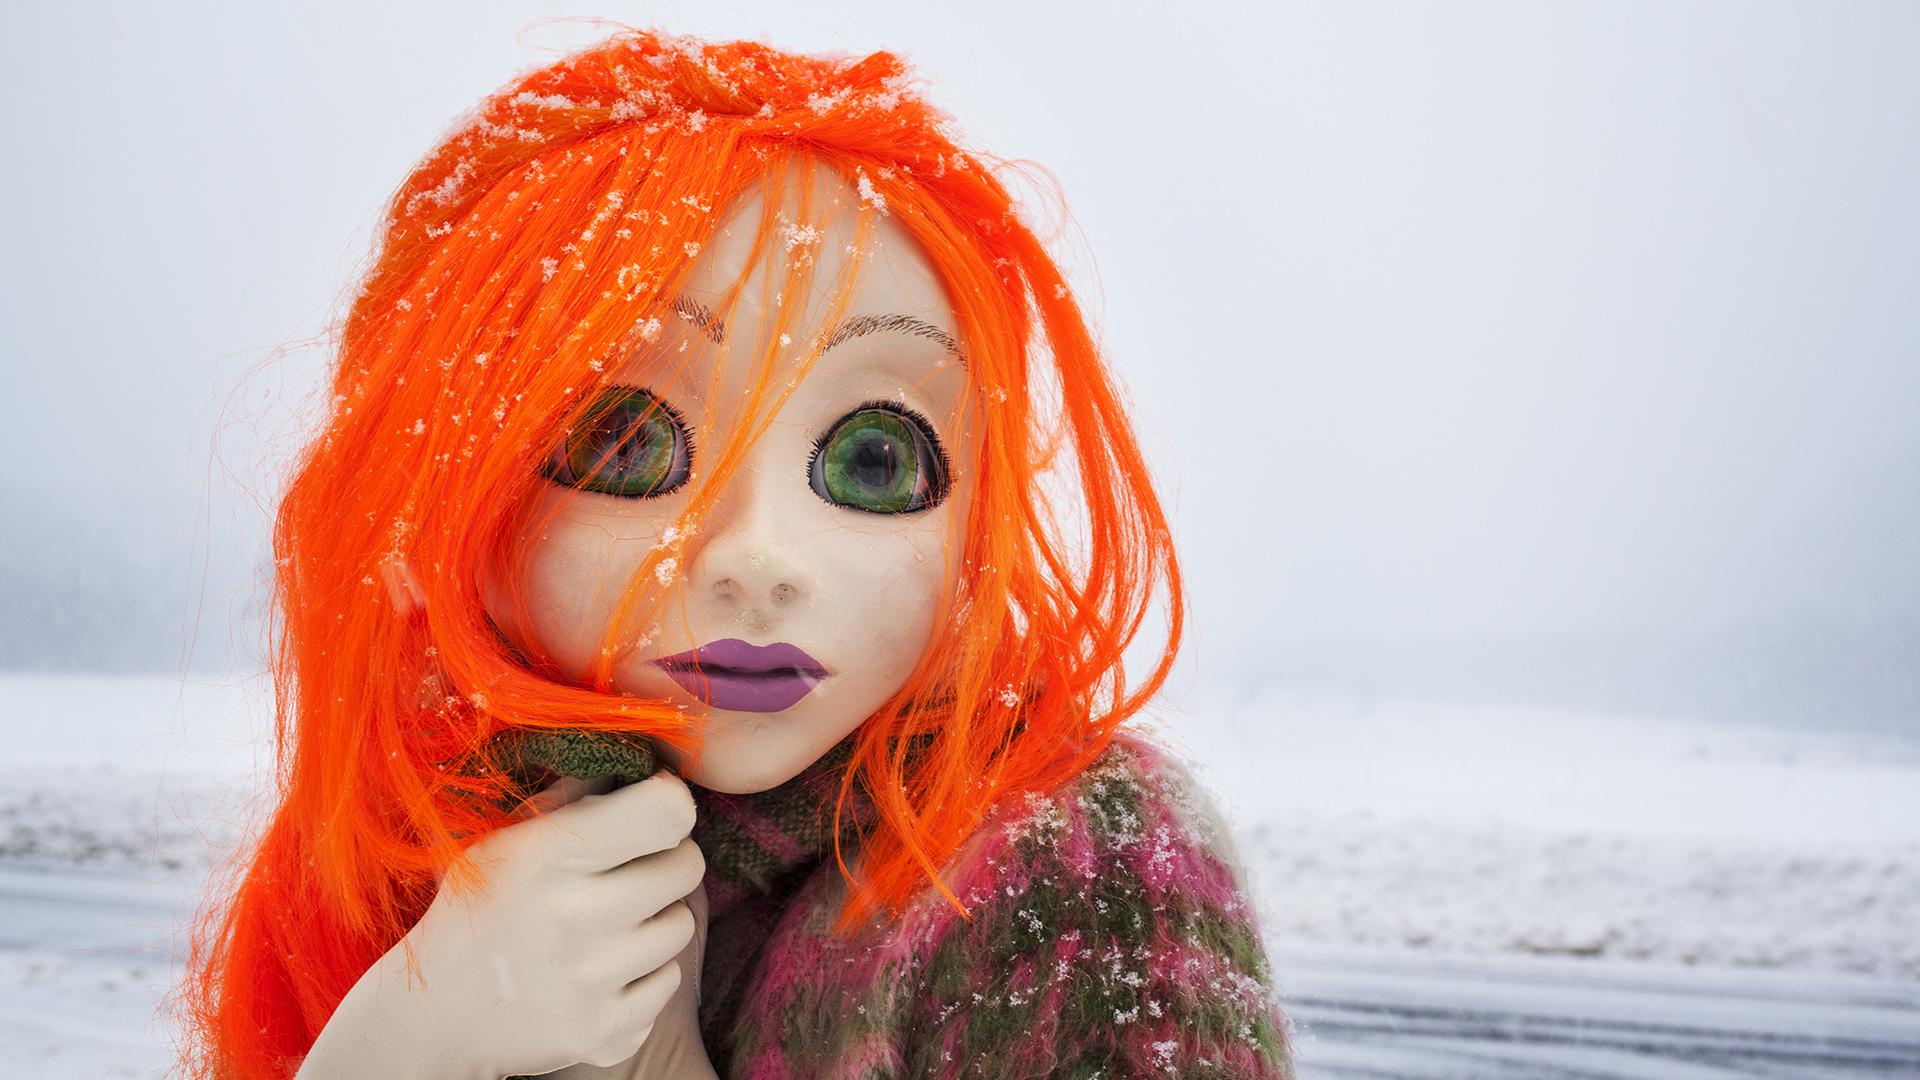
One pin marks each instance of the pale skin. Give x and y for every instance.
(774, 560)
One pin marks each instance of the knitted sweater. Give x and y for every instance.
(1114, 937)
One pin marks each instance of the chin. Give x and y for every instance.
(735, 781)
(757, 765)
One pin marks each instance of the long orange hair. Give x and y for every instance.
(516, 260)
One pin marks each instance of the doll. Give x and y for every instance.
(723, 522)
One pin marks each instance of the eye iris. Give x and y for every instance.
(627, 445)
(624, 452)
(872, 462)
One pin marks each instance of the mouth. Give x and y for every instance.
(735, 675)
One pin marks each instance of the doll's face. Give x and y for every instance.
(810, 590)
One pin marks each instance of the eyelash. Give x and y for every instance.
(898, 409)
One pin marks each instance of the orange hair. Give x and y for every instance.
(515, 261)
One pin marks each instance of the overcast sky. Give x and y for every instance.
(1471, 338)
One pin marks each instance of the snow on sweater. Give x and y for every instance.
(1113, 937)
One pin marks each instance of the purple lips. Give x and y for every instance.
(732, 674)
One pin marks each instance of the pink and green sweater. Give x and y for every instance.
(1114, 937)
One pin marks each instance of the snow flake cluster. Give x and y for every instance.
(1044, 817)
(795, 235)
(446, 191)
(544, 101)
(869, 196)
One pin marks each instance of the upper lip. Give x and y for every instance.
(732, 654)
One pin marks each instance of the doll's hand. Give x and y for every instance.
(583, 941)
(674, 1051)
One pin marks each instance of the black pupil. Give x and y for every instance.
(874, 462)
(633, 443)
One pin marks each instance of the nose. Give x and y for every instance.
(744, 567)
(758, 582)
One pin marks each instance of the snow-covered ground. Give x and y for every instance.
(1711, 900)
(1528, 831)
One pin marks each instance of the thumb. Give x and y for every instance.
(562, 791)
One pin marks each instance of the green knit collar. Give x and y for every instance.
(761, 842)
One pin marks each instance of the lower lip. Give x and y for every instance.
(744, 691)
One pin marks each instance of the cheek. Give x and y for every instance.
(577, 568)
(566, 596)
(883, 591)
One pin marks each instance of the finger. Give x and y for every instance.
(647, 944)
(641, 1001)
(642, 886)
(657, 944)
(639, 819)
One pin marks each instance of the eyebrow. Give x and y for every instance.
(696, 313)
(855, 326)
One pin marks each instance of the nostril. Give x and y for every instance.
(782, 593)
(724, 588)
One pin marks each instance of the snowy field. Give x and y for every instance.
(1448, 891)
(1528, 831)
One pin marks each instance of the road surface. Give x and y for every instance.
(1407, 1014)
(86, 957)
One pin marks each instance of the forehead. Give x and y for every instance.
(815, 224)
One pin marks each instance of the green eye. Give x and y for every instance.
(627, 443)
(882, 458)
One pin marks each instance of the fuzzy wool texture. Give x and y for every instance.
(1113, 936)
(585, 755)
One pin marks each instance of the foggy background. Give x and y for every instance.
(1488, 352)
